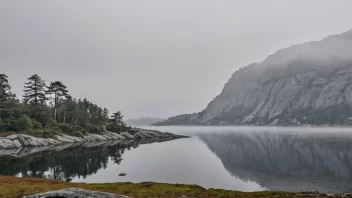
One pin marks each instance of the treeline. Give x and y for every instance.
(50, 109)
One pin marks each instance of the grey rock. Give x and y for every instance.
(127, 135)
(293, 83)
(90, 140)
(75, 193)
(95, 137)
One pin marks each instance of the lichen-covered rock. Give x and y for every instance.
(75, 193)
(22, 140)
(68, 139)
(127, 135)
(113, 136)
(94, 137)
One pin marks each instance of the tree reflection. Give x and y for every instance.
(63, 165)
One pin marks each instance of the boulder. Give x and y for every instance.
(127, 135)
(75, 193)
(94, 137)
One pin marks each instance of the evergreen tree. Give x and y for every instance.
(117, 118)
(4, 88)
(105, 114)
(34, 90)
(59, 91)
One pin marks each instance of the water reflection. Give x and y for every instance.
(247, 160)
(65, 162)
(287, 161)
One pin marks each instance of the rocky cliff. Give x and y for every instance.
(309, 83)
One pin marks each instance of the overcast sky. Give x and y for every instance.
(153, 57)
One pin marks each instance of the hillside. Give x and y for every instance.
(309, 83)
(144, 121)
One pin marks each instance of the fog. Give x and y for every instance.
(153, 58)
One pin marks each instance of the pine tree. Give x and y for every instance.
(105, 114)
(4, 88)
(59, 91)
(117, 118)
(34, 90)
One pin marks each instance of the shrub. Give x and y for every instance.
(56, 130)
(52, 130)
(77, 134)
(93, 129)
(78, 128)
(37, 133)
(65, 128)
(37, 125)
(51, 123)
(24, 123)
(114, 128)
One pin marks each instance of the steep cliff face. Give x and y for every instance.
(309, 83)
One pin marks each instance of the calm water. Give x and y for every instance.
(238, 158)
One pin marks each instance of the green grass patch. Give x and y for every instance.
(11, 187)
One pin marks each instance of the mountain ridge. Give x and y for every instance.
(308, 83)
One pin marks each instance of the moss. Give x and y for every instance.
(11, 187)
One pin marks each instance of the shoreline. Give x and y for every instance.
(12, 187)
(22, 140)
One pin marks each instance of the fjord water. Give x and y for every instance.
(237, 158)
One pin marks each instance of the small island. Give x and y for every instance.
(48, 115)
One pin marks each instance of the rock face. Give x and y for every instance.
(309, 83)
(75, 193)
(22, 140)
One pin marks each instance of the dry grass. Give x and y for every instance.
(4, 134)
(13, 187)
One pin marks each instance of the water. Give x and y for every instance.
(237, 158)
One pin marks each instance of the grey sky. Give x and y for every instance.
(153, 57)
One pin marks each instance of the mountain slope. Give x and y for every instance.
(309, 83)
(144, 121)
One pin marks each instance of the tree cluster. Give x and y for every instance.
(47, 110)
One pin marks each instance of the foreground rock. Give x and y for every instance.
(75, 193)
(22, 140)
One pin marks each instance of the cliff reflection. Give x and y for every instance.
(289, 162)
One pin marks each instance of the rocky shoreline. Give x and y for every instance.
(81, 193)
(23, 140)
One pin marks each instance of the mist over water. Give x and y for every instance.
(237, 158)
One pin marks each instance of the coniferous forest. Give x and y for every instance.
(47, 109)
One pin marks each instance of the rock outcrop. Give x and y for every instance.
(75, 193)
(309, 83)
(23, 140)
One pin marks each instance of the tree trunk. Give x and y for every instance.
(55, 114)
(64, 116)
(55, 104)
(76, 123)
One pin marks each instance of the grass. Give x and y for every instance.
(13, 187)
(4, 134)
